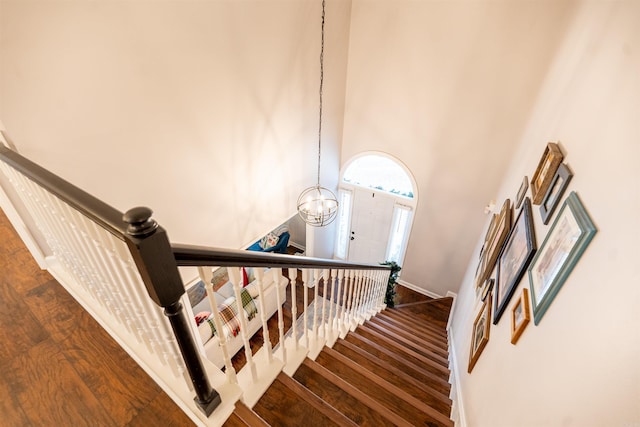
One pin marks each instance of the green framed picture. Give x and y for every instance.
(569, 236)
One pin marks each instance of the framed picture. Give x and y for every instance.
(486, 288)
(494, 243)
(522, 191)
(569, 236)
(541, 179)
(480, 333)
(520, 316)
(558, 184)
(514, 259)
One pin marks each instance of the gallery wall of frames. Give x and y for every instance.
(510, 253)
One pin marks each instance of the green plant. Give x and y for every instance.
(389, 298)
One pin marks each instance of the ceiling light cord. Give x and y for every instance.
(317, 205)
(321, 86)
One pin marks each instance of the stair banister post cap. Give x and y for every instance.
(140, 222)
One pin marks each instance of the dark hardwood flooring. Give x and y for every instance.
(58, 367)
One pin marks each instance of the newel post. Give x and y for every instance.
(151, 251)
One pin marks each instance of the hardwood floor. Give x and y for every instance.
(57, 365)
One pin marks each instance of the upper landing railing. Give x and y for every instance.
(124, 271)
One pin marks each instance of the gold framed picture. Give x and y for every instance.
(541, 179)
(480, 333)
(520, 316)
(499, 230)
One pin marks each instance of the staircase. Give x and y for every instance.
(392, 370)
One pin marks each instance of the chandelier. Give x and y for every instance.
(317, 205)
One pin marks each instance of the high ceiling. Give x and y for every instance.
(207, 111)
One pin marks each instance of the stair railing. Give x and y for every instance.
(122, 268)
(319, 322)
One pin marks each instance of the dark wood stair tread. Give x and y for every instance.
(234, 421)
(420, 323)
(427, 349)
(415, 327)
(435, 312)
(403, 351)
(248, 416)
(417, 370)
(395, 376)
(353, 403)
(392, 397)
(284, 405)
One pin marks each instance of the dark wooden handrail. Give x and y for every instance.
(95, 209)
(202, 256)
(157, 260)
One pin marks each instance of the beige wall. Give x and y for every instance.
(446, 87)
(205, 111)
(579, 366)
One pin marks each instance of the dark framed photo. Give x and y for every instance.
(541, 179)
(559, 183)
(520, 316)
(514, 259)
(569, 236)
(499, 229)
(522, 191)
(480, 333)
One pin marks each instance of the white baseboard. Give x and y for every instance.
(453, 307)
(418, 289)
(458, 413)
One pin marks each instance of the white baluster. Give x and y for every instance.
(305, 313)
(316, 285)
(259, 272)
(277, 277)
(365, 294)
(350, 291)
(330, 297)
(339, 302)
(366, 282)
(234, 278)
(293, 275)
(356, 296)
(326, 280)
(217, 322)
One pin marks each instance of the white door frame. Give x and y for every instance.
(342, 252)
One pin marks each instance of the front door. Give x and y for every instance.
(371, 216)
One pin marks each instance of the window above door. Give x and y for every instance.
(381, 172)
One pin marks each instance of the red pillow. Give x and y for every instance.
(245, 278)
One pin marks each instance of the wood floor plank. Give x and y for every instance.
(19, 328)
(12, 413)
(45, 383)
(117, 381)
(57, 365)
(160, 412)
